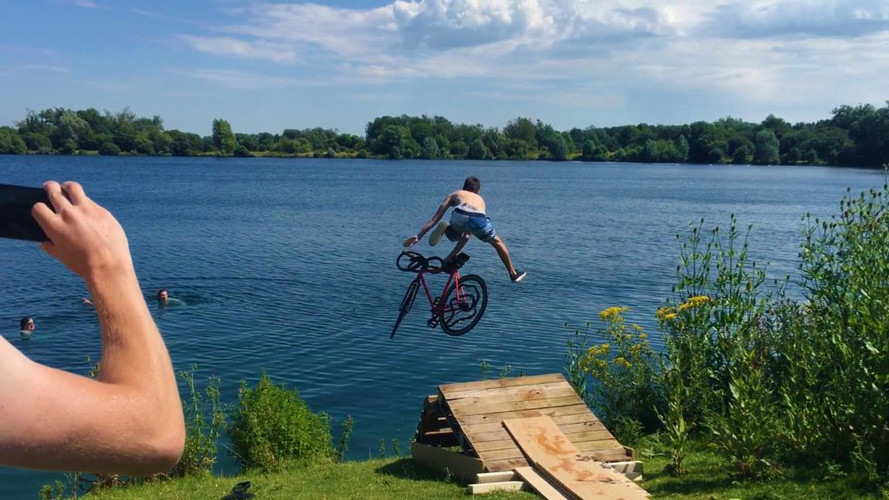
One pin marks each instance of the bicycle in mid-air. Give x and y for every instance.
(462, 302)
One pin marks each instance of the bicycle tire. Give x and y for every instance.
(406, 303)
(459, 317)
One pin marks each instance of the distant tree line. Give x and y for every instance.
(853, 136)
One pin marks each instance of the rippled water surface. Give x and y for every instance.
(287, 266)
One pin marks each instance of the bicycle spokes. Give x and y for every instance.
(465, 303)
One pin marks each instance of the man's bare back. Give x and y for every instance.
(467, 199)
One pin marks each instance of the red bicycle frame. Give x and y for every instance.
(438, 306)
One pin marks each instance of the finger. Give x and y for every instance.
(56, 196)
(44, 216)
(74, 192)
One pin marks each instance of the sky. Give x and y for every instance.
(266, 66)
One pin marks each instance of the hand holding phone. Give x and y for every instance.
(16, 221)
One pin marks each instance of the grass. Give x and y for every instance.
(709, 477)
(381, 478)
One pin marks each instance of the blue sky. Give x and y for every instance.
(266, 66)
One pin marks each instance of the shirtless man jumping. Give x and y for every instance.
(467, 220)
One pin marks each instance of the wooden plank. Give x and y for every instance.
(494, 477)
(617, 454)
(557, 411)
(550, 451)
(577, 410)
(606, 445)
(476, 438)
(540, 485)
(488, 446)
(524, 394)
(502, 382)
(569, 427)
(454, 395)
(508, 464)
(478, 489)
(504, 454)
(457, 464)
(445, 438)
(478, 409)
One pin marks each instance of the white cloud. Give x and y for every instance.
(762, 49)
(254, 49)
(242, 80)
(86, 4)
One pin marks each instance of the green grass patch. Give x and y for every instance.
(381, 478)
(709, 475)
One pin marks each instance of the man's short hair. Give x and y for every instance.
(159, 292)
(472, 184)
(26, 322)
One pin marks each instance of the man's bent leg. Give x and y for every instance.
(458, 247)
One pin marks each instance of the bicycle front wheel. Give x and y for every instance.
(464, 306)
(406, 303)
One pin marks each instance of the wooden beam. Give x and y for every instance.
(478, 489)
(494, 477)
(457, 464)
(540, 484)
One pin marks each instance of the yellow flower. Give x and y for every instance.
(620, 360)
(642, 336)
(663, 311)
(612, 312)
(670, 316)
(694, 302)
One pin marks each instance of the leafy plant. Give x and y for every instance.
(204, 420)
(273, 425)
(623, 371)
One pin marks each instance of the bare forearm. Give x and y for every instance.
(426, 227)
(135, 363)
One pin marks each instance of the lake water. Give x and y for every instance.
(288, 267)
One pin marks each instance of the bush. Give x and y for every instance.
(273, 425)
(109, 149)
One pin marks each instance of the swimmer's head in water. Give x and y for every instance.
(162, 295)
(27, 323)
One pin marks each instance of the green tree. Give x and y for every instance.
(11, 142)
(430, 149)
(223, 137)
(522, 129)
(766, 148)
(478, 151)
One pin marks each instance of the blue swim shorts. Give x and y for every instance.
(476, 224)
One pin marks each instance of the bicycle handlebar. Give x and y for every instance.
(416, 263)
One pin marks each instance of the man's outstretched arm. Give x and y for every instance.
(130, 419)
(447, 203)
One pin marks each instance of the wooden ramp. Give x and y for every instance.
(471, 415)
(563, 465)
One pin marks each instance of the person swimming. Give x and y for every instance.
(27, 327)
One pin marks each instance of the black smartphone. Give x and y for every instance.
(16, 221)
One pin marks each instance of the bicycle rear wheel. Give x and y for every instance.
(463, 310)
(406, 303)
